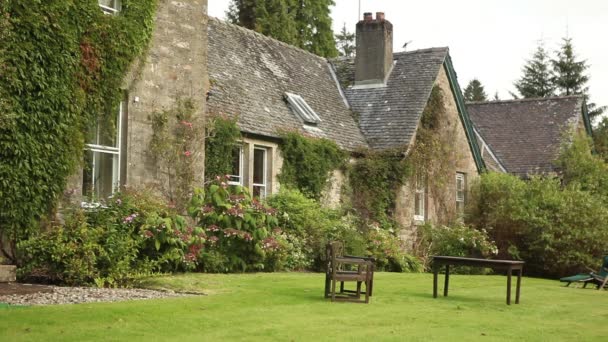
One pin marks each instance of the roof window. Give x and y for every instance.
(110, 6)
(302, 109)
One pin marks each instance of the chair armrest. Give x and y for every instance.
(372, 259)
(352, 261)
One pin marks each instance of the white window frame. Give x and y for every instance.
(264, 185)
(302, 109)
(111, 10)
(241, 169)
(114, 151)
(461, 199)
(420, 197)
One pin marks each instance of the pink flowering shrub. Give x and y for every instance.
(239, 229)
(134, 233)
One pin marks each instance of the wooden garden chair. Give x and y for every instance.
(342, 269)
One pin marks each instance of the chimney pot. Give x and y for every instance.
(367, 16)
(380, 16)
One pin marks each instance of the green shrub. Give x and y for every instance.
(557, 225)
(241, 231)
(132, 233)
(458, 240)
(308, 227)
(388, 250)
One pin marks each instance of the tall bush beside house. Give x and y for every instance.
(242, 233)
(556, 225)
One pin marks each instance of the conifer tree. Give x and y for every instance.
(537, 78)
(474, 92)
(303, 23)
(346, 42)
(570, 78)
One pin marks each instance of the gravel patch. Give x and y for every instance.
(77, 295)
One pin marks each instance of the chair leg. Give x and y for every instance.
(327, 285)
(358, 290)
(333, 290)
(341, 287)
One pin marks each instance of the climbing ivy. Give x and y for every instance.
(374, 179)
(223, 135)
(434, 154)
(308, 162)
(62, 64)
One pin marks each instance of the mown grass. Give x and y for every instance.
(290, 307)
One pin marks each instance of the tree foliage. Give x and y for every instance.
(537, 78)
(62, 66)
(346, 42)
(475, 92)
(570, 77)
(303, 23)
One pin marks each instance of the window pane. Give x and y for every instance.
(100, 174)
(418, 204)
(259, 191)
(259, 169)
(105, 132)
(235, 173)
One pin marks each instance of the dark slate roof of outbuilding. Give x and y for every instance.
(525, 135)
(389, 116)
(250, 73)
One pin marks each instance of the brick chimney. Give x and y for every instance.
(374, 58)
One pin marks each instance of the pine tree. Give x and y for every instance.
(496, 97)
(570, 77)
(537, 79)
(303, 23)
(600, 139)
(474, 92)
(346, 42)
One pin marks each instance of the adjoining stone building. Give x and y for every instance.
(523, 137)
(374, 102)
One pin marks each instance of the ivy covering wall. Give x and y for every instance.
(308, 163)
(222, 137)
(62, 65)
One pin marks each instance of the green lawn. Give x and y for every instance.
(289, 306)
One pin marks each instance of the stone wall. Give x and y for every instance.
(462, 161)
(175, 67)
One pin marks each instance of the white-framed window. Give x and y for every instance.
(260, 171)
(110, 6)
(461, 185)
(420, 198)
(236, 174)
(101, 174)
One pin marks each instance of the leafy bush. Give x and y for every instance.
(308, 227)
(458, 240)
(557, 225)
(130, 234)
(388, 250)
(241, 232)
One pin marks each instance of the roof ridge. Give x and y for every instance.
(431, 49)
(248, 31)
(564, 97)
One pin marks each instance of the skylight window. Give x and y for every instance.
(302, 109)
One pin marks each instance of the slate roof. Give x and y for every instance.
(525, 135)
(250, 73)
(389, 116)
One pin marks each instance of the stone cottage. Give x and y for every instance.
(374, 101)
(523, 137)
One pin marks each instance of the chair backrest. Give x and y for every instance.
(604, 270)
(335, 249)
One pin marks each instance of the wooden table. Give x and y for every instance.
(509, 265)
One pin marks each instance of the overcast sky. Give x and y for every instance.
(489, 39)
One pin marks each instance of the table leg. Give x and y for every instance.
(509, 272)
(518, 286)
(435, 271)
(447, 280)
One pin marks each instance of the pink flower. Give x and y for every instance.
(187, 153)
(186, 123)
